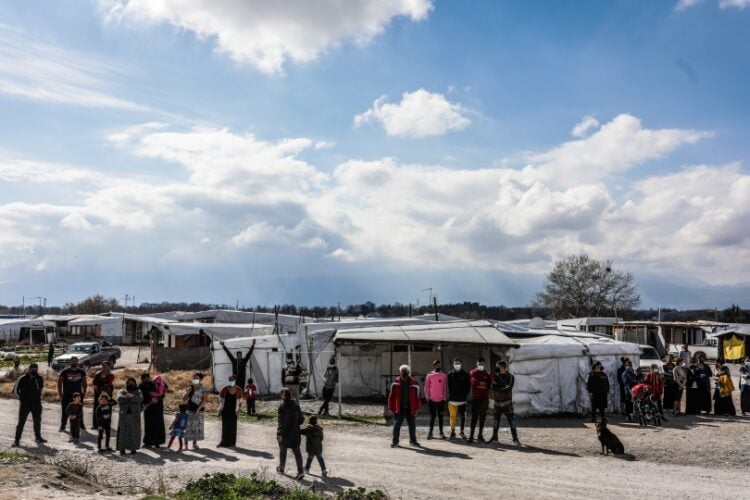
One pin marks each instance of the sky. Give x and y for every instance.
(349, 150)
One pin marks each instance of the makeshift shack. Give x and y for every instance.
(31, 330)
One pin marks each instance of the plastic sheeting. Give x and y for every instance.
(551, 372)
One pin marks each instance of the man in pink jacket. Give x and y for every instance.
(436, 393)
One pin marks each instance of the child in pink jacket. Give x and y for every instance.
(436, 393)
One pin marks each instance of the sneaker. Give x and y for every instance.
(324, 473)
(453, 435)
(300, 476)
(16, 444)
(40, 439)
(517, 442)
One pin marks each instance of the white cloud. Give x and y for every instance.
(32, 69)
(14, 169)
(419, 114)
(723, 4)
(324, 145)
(587, 124)
(686, 4)
(76, 221)
(265, 34)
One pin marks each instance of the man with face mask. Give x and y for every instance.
(436, 393)
(480, 398)
(459, 385)
(71, 380)
(239, 362)
(28, 389)
(404, 402)
(502, 387)
(331, 379)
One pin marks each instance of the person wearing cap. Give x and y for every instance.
(436, 393)
(28, 390)
(404, 402)
(481, 381)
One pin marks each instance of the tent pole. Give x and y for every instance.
(336, 351)
(408, 355)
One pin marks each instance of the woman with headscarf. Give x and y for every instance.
(724, 405)
(129, 425)
(703, 376)
(195, 397)
(288, 432)
(153, 412)
(692, 392)
(229, 410)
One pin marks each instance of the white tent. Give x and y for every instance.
(551, 371)
(10, 328)
(217, 330)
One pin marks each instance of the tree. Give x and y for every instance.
(579, 286)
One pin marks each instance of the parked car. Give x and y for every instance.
(89, 354)
(649, 356)
(709, 349)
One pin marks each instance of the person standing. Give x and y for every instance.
(104, 422)
(703, 376)
(195, 397)
(621, 385)
(680, 379)
(745, 386)
(629, 380)
(404, 402)
(685, 355)
(481, 381)
(459, 385)
(229, 410)
(288, 432)
(436, 393)
(71, 380)
(103, 383)
(502, 387)
(331, 379)
(75, 415)
(50, 354)
(129, 401)
(724, 405)
(239, 362)
(597, 386)
(251, 394)
(153, 392)
(314, 445)
(28, 390)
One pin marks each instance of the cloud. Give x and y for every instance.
(723, 4)
(419, 114)
(31, 69)
(242, 200)
(14, 169)
(267, 34)
(585, 126)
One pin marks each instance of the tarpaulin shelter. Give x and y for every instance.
(35, 330)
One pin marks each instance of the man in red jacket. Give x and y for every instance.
(481, 381)
(404, 402)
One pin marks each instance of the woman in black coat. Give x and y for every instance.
(288, 432)
(692, 392)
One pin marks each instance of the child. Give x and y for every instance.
(314, 445)
(75, 414)
(104, 420)
(179, 427)
(250, 395)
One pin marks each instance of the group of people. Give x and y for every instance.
(458, 389)
(665, 386)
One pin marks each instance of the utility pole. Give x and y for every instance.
(126, 300)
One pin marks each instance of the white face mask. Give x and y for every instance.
(480, 368)
(457, 367)
(196, 381)
(231, 383)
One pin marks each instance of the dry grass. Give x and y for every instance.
(177, 381)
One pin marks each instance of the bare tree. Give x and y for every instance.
(580, 286)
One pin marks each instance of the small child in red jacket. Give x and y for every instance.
(250, 394)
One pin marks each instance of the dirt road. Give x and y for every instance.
(559, 460)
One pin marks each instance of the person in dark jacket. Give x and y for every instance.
(50, 354)
(314, 445)
(404, 402)
(597, 386)
(481, 381)
(71, 380)
(459, 385)
(502, 389)
(621, 385)
(239, 362)
(288, 432)
(28, 389)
